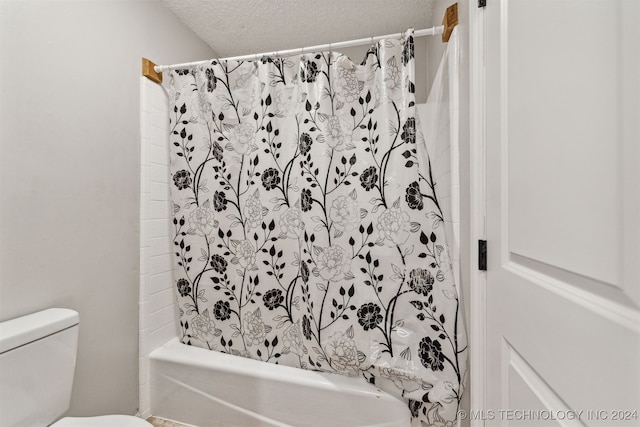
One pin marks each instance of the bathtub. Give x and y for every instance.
(209, 389)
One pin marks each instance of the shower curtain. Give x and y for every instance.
(307, 226)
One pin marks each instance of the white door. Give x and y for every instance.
(563, 215)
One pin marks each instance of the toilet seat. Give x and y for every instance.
(102, 421)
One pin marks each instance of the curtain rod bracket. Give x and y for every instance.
(449, 20)
(149, 72)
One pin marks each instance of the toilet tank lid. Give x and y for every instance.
(32, 327)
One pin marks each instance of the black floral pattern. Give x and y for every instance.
(309, 72)
(369, 178)
(414, 407)
(273, 298)
(369, 316)
(184, 287)
(306, 227)
(182, 179)
(413, 196)
(431, 354)
(222, 310)
(306, 327)
(421, 281)
(211, 80)
(407, 51)
(409, 131)
(219, 201)
(218, 263)
(216, 150)
(305, 143)
(306, 200)
(304, 271)
(270, 178)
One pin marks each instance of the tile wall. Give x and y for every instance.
(157, 296)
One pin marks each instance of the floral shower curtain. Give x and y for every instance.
(307, 227)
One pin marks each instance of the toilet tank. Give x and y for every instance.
(37, 363)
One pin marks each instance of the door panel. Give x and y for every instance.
(563, 223)
(559, 80)
(528, 390)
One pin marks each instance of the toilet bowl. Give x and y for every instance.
(102, 421)
(37, 365)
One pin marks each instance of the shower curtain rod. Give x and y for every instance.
(329, 46)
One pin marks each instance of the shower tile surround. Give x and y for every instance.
(157, 323)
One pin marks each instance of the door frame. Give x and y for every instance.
(478, 209)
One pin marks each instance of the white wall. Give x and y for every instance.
(69, 173)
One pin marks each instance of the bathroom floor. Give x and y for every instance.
(161, 422)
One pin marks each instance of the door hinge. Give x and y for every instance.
(482, 255)
(482, 3)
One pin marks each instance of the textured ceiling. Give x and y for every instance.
(240, 27)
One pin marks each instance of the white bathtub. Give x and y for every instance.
(210, 389)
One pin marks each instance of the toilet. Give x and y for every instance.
(37, 364)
